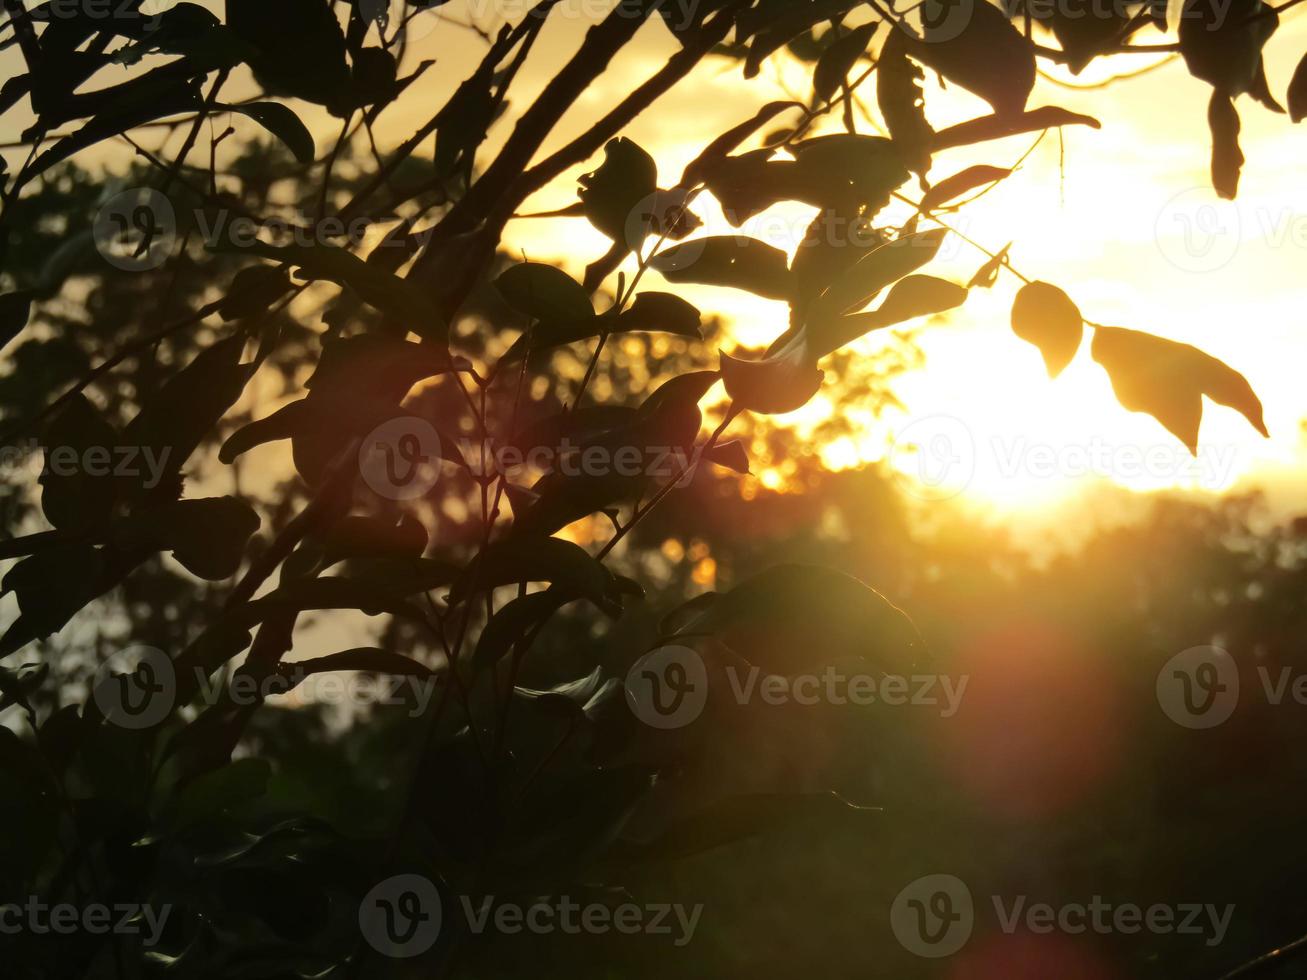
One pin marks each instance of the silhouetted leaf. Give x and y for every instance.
(954, 187)
(1298, 92)
(999, 126)
(845, 172)
(78, 487)
(733, 261)
(772, 24)
(612, 193)
(17, 685)
(360, 536)
(1224, 47)
(987, 275)
(301, 48)
(775, 385)
(877, 269)
(1227, 156)
(715, 152)
(52, 586)
(1167, 380)
(368, 659)
(909, 299)
(793, 617)
(207, 536)
(15, 308)
(989, 57)
(178, 417)
(902, 103)
(1045, 316)
(375, 78)
(379, 288)
(182, 96)
(733, 455)
(403, 576)
(511, 623)
(661, 312)
(569, 567)
(545, 293)
(282, 123)
(1083, 29)
(838, 60)
(254, 291)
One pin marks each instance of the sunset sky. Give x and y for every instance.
(1123, 218)
(1109, 226)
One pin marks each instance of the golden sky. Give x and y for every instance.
(1104, 214)
(1123, 218)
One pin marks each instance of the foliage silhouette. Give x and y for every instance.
(502, 789)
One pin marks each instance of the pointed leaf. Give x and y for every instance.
(1167, 380)
(959, 184)
(737, 262)
(15, 308)
(1298, 92)
(281, 122)
(879, 268)
(833, 69)
(545, 293)
(988, 57)
(775, 385)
